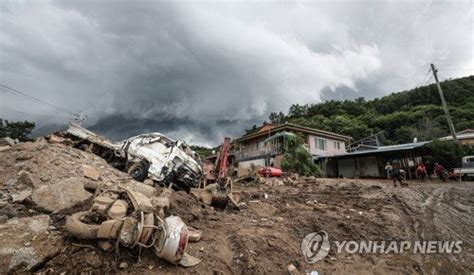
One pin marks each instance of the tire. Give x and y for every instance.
(138, 171)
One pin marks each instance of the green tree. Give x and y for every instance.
(201, 151)
(276, 118)
(297, 158)
(402, 116)
(17, 130)
(449, 153)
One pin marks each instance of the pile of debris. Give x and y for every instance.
(133, 215)
(7, 142)
(51, 191)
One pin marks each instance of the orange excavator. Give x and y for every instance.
(217, 183)
(223, 162)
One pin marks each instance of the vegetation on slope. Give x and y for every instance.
(402, 116)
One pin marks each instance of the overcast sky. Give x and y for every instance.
(202, 70)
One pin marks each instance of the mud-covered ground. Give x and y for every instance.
(266, 234)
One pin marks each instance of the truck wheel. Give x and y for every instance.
(138, 171)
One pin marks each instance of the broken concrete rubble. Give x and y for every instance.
(90, 172)
(60, 197)
(27, 179)
(55, 139)
(8, 141)
(21, 196)
(15, 256)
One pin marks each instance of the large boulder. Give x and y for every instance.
(25, 243)
(60, 197)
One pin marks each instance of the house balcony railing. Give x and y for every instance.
(268, 150)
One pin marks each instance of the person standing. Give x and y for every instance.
(397, 176)
(439, 171)
(388, 170)
(421, 172)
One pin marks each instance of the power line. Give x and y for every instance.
(424, 81)
(426, 75)
(37, 115)
(14, 91)
(456, 69)
(428, 81)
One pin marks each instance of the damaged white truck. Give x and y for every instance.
(152, 156)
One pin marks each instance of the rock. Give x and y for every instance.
(292, 269)
(7, 141)
(18, 258)
(3, 204)
(20, 197)
(4, 148)
(123, 265)
(278, 183)
(90, 172)
(202, 195)
(3, 218)
(279, 219)
(93, 185)
(148, 182)
(106, 245)
(261, 180)
(26, 146)
(24, 156)
(55, 139)
(28, 179)
(45, 178)
(59, 197)
(194, 235)
(294, 176)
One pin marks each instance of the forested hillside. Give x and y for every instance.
(403, 116)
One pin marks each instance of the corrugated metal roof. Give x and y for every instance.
(459, 136)
(389, 148)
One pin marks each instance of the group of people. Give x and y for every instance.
(438, 171)
(421, 172)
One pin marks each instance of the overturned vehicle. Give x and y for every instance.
(153, 156)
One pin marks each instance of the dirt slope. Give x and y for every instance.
(266, 234)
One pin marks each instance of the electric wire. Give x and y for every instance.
(36, 115)
(16, 92)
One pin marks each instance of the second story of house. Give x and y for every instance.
(269, 140)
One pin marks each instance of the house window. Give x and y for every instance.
(321, 144)
(337, 145)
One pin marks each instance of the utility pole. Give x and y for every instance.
(443, 101)
(80, 118)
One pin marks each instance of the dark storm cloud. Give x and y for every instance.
(205, 70)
